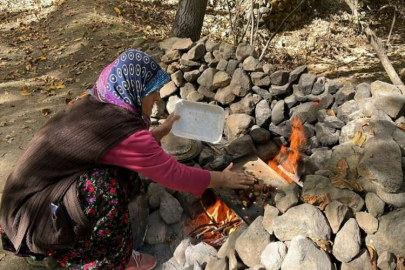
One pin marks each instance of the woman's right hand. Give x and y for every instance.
(229, 179)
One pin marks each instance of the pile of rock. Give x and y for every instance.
(352, 165)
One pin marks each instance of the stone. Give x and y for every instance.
(269, 68)
(192, 76)
(206, 79)
(389, 236)
(246, 105)
(180, 252)
(387, 261)
(351, 154)
(222, 64)
(296, 74)
(225, 95)
(317, 185)
(363, 91)
(327, 136)
(399, 138)
(333, 122)
(303, 254)
(211, 46)
(240, 83)
(241, 146)
(283, 90)
(287, 198)
(290, 101)
(155, 192)
(195, 53)
(267, 151)
(195, 96)
(216, 264)
(259, 135)
(209, 58)
(347, 242)
(336, 212)
(168, 43)
(260, 79)
(280, 78)
(319, 86)
(206, 155)
(384, 168)
(283, 129)
(244, 50)
(374, 204)
(200, 253)
(183, 44)
(158, 231)
(306, 83)
(178, 78)
(232, 66)
(227, 50)
(171, 56)
(252, 64)
(392, 104)
(333, 86)
(265, 94)
(304, 219)
(278, 112)
(190, 63)
(362, 261)
(263, 113)
(186, 90)
(168, 90)
(344, 94)
(221, 79)
(252, 242)
(228, 247)
(209, 94)
(158, 110)
(238, 125)
(170, 209)
(306, 112)
(349, 130)
(367, 222)
(346, 112)
(171, 103)
(379, 87)
(270, 212)
(273, 255)
(319, 159)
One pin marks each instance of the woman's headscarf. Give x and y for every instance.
(131, 77)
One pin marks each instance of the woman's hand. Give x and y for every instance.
(166, 127)
(229, 179)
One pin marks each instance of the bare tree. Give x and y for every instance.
(189, 19)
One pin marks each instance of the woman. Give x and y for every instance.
(68, 195)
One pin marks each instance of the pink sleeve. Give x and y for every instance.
(140, 152)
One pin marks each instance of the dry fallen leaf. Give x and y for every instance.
(25, 92)
(2, 255)
(45, 112)
(326, 245)
(117, 10)
(373, 256)
(359, 138)
(42, 58)
(400, 263)
(339, 179)
(322, 200)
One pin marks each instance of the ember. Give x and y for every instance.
(214, 225)
(286, 162)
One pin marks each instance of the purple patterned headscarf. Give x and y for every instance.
(131, 77)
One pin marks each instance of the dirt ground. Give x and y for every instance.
(50, 55)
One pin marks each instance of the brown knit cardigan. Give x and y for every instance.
(69, 144)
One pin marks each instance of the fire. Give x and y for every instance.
(215, 224)
(286, 162)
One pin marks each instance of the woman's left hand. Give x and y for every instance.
(166, 127)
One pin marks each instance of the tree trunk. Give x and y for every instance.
(378, 48)
(189, 19)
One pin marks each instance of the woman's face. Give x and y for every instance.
(148, 101)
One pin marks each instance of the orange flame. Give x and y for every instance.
(288, 158)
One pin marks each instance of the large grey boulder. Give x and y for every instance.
(336, 212)
(304, 255)
(362, 261)
(384, 168)
(207, 78)
(390, 234)
(240, 83)
(244, 50)
(225, 95)
(304, 219)
(374, 204)
(252, 242)
(367, 222)
(238, 125)
(392, 104)
(273, 255)
(263, 113)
